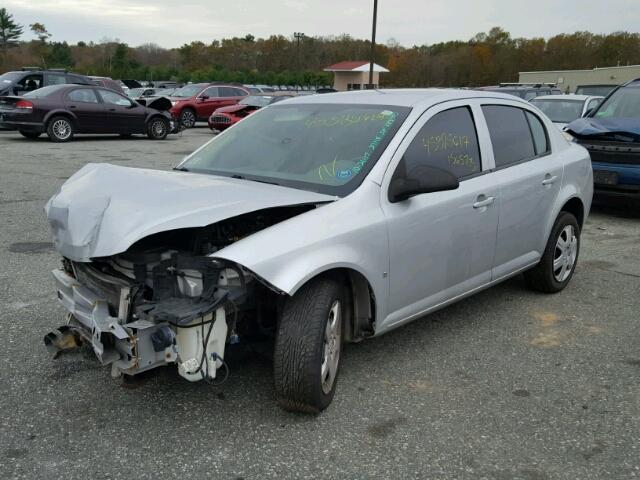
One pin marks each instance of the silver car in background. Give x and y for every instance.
(318, 221)
(564, 109)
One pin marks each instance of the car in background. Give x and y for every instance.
(61, 111)
(197, 101)
(564, 109)
(225, 117)
(319, 221)
(595, 90)
(524, 90)
(611, 134)
(31, 78)
(142, 92)
(107, 82)
(258, 89)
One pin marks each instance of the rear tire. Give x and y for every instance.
(308, 346)
(158, 128)
(188, 118)
(60, 129)
(30, 135)
(558, 263)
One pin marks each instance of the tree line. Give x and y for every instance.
(487, 58)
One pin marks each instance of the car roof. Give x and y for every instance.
(408, 97)
(571, 96)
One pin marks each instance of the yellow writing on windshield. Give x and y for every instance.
(463, 160)
(445, 141)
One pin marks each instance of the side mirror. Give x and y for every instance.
(203, 97)
(422, 179)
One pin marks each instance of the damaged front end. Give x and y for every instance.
(165, 300)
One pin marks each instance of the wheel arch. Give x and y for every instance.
(60, 113)
(574, 206)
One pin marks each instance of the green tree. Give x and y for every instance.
(40, 31)
(59, 55)
(10, 31)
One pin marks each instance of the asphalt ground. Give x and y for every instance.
(508, 384)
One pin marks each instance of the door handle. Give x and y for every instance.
(485, 202)
(549, 180)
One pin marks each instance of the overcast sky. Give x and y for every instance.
(171, 23)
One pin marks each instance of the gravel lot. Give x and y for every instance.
(508, 384)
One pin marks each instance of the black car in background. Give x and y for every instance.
(525, 91)
(29, 79)
(61, 111)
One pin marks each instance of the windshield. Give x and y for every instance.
(187, 91)
(166, 91)
(44, 91)
(596, 90)
(9, 77)
(256, 100)
(560, 111)
(623, 103)
(325, 148)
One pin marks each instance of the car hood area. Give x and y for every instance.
(586, 127)
(103, 209)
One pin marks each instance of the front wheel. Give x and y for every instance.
(30, 135)
(158, 128)
(60, 129)
(308, 346)
(188, 118)
(558, 262)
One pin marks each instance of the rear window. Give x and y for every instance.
(44, 91)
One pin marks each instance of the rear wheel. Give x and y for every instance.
(60, 129)
(558, 262)
(30, 135)
(308, 346)
(188, 118)
(158, 128)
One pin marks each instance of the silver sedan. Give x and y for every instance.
(317, 221)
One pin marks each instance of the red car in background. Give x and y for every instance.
(225, 117)
(198, 101)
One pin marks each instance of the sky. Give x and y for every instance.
(171, 23)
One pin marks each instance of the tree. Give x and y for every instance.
(59, 55)
(10, 31)
(40, 31)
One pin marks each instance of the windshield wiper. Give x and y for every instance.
(181, 169)
(242, 177)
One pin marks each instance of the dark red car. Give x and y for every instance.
(225, 117)
(61, 111)
(198, 101)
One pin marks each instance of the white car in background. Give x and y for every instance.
(564, 109)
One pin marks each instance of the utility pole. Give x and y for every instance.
(298, 36)
(373, 42)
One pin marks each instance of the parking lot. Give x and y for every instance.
(508, 384)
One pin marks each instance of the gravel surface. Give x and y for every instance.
(508, 384)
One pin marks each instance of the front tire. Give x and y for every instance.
(308, 346)
(560, 257)
(60, 129)
(30, 135)
(158, 128)
(188, 118)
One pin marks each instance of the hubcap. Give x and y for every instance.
(331, 347)
(565, 254)
(61, 129)
(157, 128)
(188, 118)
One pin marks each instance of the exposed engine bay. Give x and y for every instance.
(166, 300)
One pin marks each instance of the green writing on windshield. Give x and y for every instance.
(380, 135)
(345, 120)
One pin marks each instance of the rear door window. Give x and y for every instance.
(231, 92)
(447, 141)
(539, 134)
(83, 95)
(511, 134)
(55, 79)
